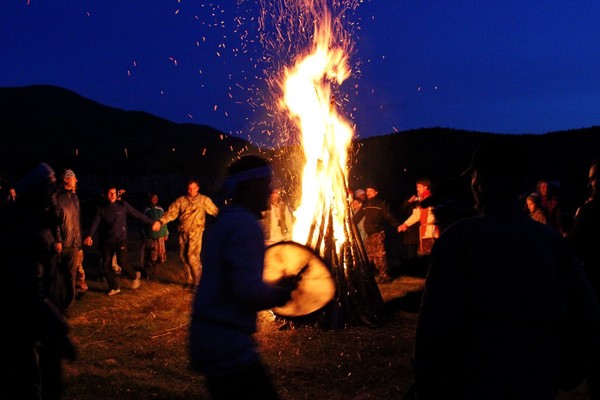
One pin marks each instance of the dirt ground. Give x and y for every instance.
(134, 346)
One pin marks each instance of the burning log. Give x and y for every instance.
(357, 300)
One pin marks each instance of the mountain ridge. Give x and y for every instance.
(67, 130)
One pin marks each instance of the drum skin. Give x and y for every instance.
(315, 286)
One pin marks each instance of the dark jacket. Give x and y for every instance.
(585, 237)
(375, 212)
(68, 229)
(112, 221)
(502, 292)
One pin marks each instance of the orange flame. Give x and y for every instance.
(326, 136)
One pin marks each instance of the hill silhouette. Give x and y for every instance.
(52, 124)
(47, 123)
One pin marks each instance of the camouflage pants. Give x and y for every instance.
(190, 244)
(155, 253)
(81, 286)
(376, 252)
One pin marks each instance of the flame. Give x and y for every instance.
(325, 134)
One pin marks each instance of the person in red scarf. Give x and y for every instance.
(422, 214)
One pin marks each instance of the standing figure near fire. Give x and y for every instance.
(550, 204)
(584, 237)
(359, 197)
(277, 219)
(424, 216)
(68, 240)
(376, 213)
(111, 220)
(155, 251)
(36, 335)
(505, 298)
(534, 205)
(232, 290)
(191, 211)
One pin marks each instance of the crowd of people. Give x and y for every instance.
(510, 307)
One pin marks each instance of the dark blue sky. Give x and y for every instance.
(506, 66)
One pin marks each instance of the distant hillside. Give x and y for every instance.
(395, 161)
(67, 130)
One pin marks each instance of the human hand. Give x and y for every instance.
(402, 228)
(88, 241)
(289, 282)
(156, 226)
(58, 247)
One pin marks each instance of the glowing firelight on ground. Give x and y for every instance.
(325, 135)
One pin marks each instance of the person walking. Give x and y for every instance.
(68, 238)
(505, 299)
(232, 290)
(111, 221)
(191, 211)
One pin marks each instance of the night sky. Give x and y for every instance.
(504, 67)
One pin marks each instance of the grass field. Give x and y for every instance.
(134, 346)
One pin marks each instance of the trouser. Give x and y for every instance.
(251, 382)
(190, 245)
(80, 284)
(376, 252)
(155, 253)
(120, 249)
(68, 258)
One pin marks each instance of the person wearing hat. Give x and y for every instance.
(68, 238)
(232, 290)
(375, 213)
(506, 303)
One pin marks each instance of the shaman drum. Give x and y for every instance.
(315, 283)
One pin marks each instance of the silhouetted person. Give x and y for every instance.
(585, 237)
(35, 334)
(232, 290)
(550, 203)
(504, 298)
(111, 221)
(68, 238)
(376, 213)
